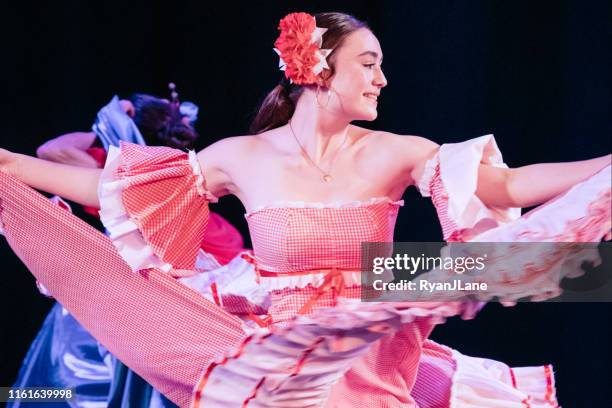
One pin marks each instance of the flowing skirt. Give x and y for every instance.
(197, 354)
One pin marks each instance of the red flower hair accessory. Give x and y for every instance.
(299, 48)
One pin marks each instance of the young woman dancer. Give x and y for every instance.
(314, 186)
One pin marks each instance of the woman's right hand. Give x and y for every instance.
(7, 159)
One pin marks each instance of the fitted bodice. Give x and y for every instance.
(297, 236)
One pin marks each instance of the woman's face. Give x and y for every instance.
(358, 77)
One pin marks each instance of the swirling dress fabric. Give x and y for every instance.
(317, 344)
(64, 354)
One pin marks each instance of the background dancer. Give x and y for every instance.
(63, 353)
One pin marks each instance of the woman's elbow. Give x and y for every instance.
(496, 187)
(511, 192)
(46, 152)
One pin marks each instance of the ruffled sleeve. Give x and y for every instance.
(154, 204)
(451, 177)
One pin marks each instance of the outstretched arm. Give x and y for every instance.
(80, 184)
(77, 184)
(533, 184)
(501, 187)
(70, 148)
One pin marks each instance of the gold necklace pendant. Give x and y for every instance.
(326, 176)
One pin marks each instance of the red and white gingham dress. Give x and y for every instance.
(305, 255)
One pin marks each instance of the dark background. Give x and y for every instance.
(534, 73)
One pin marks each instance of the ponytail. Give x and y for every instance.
(277, 107)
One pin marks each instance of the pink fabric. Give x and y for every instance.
(163, 330)
(439, 198)
(168, 333)
(289, 239)
(434, 381)
(222, 239)
(292, 239)
(286, 303)
(99, 155)
(300, 363)
(163, 200)
(386, 374)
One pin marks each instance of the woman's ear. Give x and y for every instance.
(324, 78)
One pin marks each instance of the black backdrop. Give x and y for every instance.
(537, 74)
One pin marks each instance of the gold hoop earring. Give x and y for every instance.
(328, 97)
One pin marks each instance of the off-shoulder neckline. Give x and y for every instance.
(331, 204)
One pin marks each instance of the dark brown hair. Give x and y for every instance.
(278, 106)
(161, 122)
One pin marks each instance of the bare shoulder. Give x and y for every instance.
(226, 150)
(230, 144)
(418, 145)
(242, 144)
(402, 155)
(407, 146)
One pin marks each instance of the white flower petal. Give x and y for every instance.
(321, 54)
(281, 63)
(317, 35)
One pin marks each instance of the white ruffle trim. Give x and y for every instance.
(459, 163)
(43, 290)
(480, 382)
(428, 174)
(237, 278)
(351, 278)
(122, 230)
(334, 204)
(197, 171)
